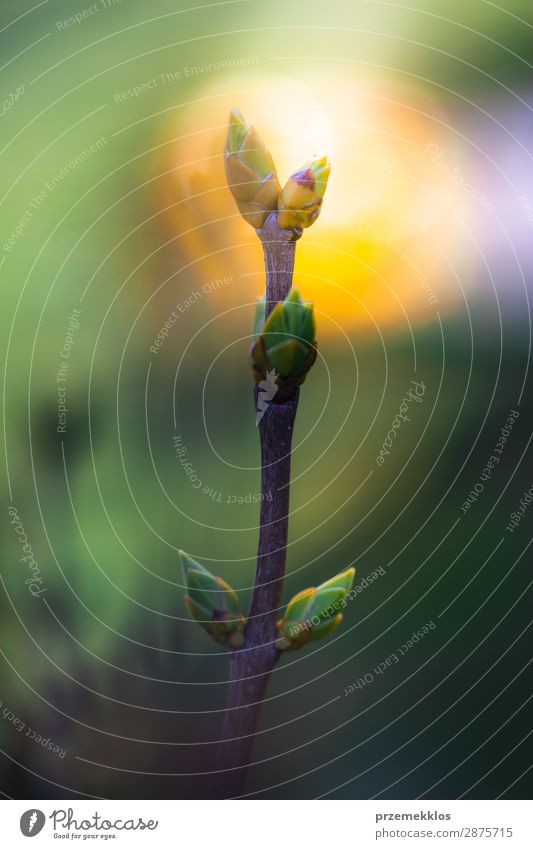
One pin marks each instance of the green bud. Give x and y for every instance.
(326, 628)
(212, 603)
(313, 613)
(285, 344)
(200, 614)
(344, 580)
(300, 604)
(211, 591)
(301, 198)
(323, 600)
(250, 171)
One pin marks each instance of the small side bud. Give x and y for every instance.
(313, 613)
(301, 198)
(285, 343)
(212, 603)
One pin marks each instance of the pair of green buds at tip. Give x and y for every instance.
(252, 178)
(285, 343)
(310, 615)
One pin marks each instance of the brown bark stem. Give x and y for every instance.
(279, 248)
(251, 666)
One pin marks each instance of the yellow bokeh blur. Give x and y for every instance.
(384, 239)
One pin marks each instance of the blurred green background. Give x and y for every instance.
(114, 204)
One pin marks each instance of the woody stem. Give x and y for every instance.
(252, 664)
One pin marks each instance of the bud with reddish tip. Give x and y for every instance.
(212, 603)
(301, 197)
(250, 171)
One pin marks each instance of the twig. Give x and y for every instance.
(251, 666)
